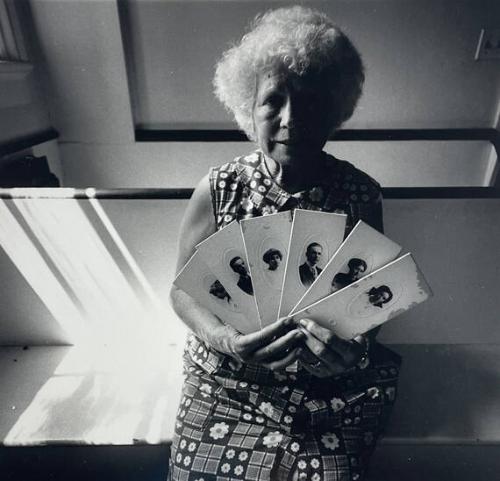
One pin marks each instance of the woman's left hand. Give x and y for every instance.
(327, 354)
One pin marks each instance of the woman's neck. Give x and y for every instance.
(299, 176)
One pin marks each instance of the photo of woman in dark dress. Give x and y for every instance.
(272, 257)
(378, 296)
(356, 269)
(217, 290)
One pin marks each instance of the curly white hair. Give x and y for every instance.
(304, 41)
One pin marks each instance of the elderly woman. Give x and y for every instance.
(291, 401)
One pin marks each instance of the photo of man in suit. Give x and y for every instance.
(309, 270)
(237, 264)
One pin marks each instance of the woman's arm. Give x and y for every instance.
(273, 346)
(197, 224)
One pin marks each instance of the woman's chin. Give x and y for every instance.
(292, 155)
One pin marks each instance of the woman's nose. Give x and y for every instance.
(287, 114)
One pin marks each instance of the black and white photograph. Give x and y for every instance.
(249, 240)
(310, 269)
(244, 281)
(217, 290)
(314, 238)
(273, 258)
(379, 296)
(373, 300)
(266, 243)
(356, 268)
(198, 281)
(364, 250)
(225, 254)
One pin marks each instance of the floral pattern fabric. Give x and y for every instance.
(249, 423)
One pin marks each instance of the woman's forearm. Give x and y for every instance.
(202, 322)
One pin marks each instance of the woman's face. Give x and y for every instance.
(379, 297)
(291, 115)
(357, 271)
(274, 262)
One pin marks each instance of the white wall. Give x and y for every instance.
(419, 56)
(424, 77)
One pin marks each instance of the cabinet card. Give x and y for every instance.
(314, 238)
(199, 282)
(224, 253)
(364, 251)
(266, 242)
(371, 301)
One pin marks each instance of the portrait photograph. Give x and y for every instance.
(314, 238)
(356, 268)
(225, 254)
(266, 243)
(247, 240)
(197, 279)
(372, 300)
(365, 249)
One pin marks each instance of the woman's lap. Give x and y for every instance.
(254, 425)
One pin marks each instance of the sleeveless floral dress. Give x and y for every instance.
(249, 423)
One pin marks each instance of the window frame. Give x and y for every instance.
(12, 45)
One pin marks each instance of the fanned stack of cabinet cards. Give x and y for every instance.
(298, 264)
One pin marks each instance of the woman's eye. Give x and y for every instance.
(272, 100)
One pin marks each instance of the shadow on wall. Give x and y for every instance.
(448, 394)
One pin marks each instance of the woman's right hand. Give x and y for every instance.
(274, 347)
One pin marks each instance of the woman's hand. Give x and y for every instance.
(275, 347)
(327, 354)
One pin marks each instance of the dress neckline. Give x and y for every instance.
(276, 179)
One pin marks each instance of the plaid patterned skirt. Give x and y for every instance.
(249, 423)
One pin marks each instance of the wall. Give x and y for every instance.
(81, 51)
(419, 58)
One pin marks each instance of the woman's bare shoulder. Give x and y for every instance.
(198, 222)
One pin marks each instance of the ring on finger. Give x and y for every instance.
(316, 365)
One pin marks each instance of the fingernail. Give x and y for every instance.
(303, 322)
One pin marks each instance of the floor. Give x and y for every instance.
(149, 463)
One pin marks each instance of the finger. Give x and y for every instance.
(254, 340)
(319, 368)
(321, 350)
(321, 371)
(281, 364)
(279, 346)
(341, 346)
(308, 357)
